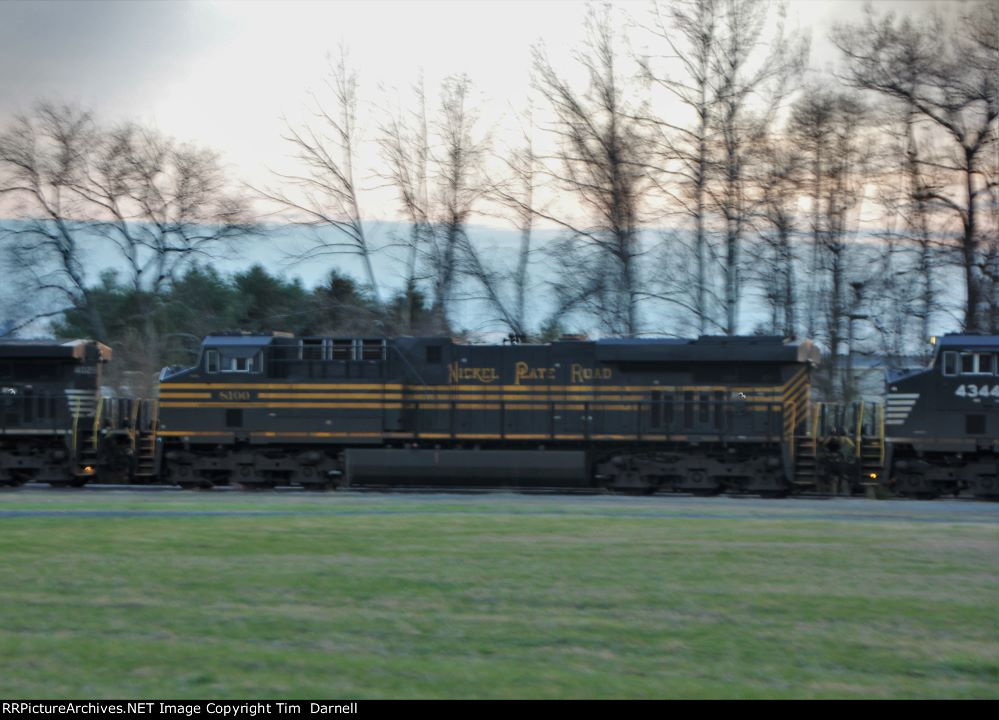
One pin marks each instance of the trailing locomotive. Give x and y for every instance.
(56, 425)
(942, 422)
(49, 395)
(704, 416)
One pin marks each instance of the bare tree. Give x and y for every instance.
(947, 70)
(43, 158)
(777, 176)
(437, 169)
(601, 161)
(517, 194)
(990, 270)
(828, 128)
(405, 148)
(162, 205)
(491, 280)
(743, 75)
(324, 193)
(984, 39)
(82, 190)
(910, 254)
(460, 183)
(811, 130)
(729, 67)
(991, 245)
(918, 223)
(689, 30)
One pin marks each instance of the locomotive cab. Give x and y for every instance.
(942, 422)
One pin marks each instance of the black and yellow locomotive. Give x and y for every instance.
(704, 416)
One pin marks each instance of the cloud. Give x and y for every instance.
(93, 53)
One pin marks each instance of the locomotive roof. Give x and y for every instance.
(707, 348)
(50, 348)
(985, 342)
(238, 340)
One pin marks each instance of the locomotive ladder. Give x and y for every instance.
(806, 453)
(84, 447)
(144, 438)
(871, 447)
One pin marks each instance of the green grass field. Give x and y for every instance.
(216, 595)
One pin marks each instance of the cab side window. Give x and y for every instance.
(238, 364)
(977, 363)
(212, 361)
(250, 364)
(950, 363)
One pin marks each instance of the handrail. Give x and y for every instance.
(133, 423)
(98, 411)
(859, 434)
(76, 423)
(789, 433)
(881, 433)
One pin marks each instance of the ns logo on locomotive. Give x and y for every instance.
(702, 416)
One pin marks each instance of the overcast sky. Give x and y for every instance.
(224, 74)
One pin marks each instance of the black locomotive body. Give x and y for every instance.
(942, 422)
(705, 416)
(49, 404)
